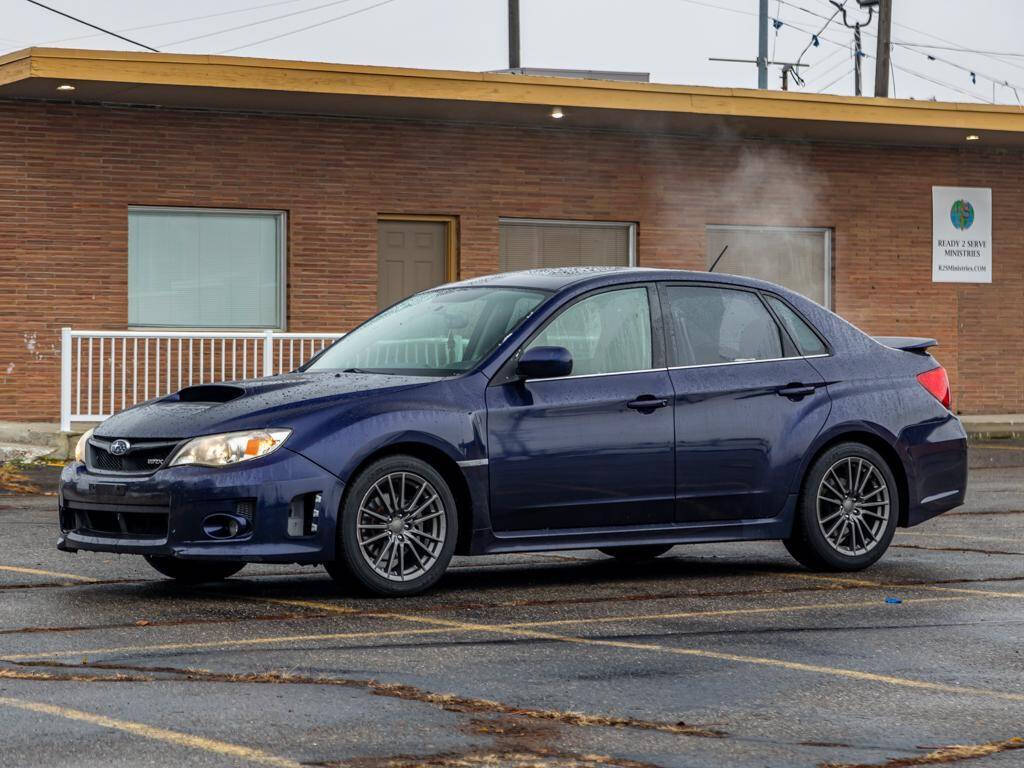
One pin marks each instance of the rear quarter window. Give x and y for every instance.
(806, 340)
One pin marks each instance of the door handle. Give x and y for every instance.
(647, 403)
(796, 391)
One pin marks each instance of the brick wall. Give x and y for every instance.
(69, 173)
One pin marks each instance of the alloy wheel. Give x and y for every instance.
(401, 526)
(853, 506)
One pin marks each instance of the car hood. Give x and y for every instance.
(253, 403)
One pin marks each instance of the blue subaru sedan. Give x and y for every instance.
(626, 410)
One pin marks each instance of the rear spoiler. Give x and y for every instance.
(907, 343)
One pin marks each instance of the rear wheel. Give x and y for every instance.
(848, 510)
(194, 571)
(636, 554)
(398, 528)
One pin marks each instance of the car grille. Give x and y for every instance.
(143, 456)
(120, 520)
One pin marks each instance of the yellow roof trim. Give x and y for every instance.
(233, 72)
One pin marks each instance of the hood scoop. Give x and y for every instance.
(210, 393)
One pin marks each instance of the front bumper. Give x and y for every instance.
(106, 512)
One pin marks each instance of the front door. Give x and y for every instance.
(747, 405)
(411, 257)
(592, 449)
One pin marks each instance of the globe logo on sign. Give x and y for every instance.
(962, 214)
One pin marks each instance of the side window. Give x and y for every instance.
(807, 341)
(719, 325)
(606, 333)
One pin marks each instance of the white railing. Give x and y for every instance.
(102, 372)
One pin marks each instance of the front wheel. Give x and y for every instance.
(194, 571)
(848, 510)
(398, 528)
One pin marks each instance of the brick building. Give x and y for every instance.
(179, 194)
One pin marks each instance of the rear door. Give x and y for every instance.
(747, 403)
(594, 448)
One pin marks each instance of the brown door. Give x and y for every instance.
(411, 257)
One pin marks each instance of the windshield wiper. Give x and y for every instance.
(354, 370)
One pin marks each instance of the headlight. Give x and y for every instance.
(230, 448)
(80, 448)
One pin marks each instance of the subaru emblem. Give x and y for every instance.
(120, 447)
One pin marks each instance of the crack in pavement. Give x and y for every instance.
(447, 701)
(505, 758)
(964, 550)
(943, 755)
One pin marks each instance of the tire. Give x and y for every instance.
(844, 526)
(636, 554)
(397, 529)
(194, 571)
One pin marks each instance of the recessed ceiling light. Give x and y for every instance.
(557, 113)
(65, 87)
(973, 137)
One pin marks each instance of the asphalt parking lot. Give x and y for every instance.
(713, 655)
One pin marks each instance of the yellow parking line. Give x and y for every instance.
(440, 629)
(38, 572)
(233, 643)
(880, 585)
(1003, 539)
(326, 606)
(794, 666)
(155, 733)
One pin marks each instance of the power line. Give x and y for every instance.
(825, 88)
(719, 7)
(825, 73)
(911, 72)
(777, 23)
(936, 81)
(814, 41)
(311, 26)
(964, 50)
(970, 70)
(179, 21)
(88, 24)
(256, 23)
(992, 56)
(973, 72)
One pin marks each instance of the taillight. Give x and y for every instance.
(937, 383)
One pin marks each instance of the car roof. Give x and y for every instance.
(556, 279)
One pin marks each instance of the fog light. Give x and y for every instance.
(223, 526)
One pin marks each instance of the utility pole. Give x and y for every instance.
(858, 52)
(762, 46)
(513, 34)
(884, 45)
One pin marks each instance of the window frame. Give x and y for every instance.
(280, 215)
(827, 255)
(507, 372)
(790, 350)
(630, 226)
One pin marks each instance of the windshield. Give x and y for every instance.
(437, 333)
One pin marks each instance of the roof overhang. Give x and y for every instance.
(235, 84)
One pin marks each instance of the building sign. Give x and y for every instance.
(961, 235)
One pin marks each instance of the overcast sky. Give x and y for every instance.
(671, 39)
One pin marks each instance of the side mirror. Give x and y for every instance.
(544, 363)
